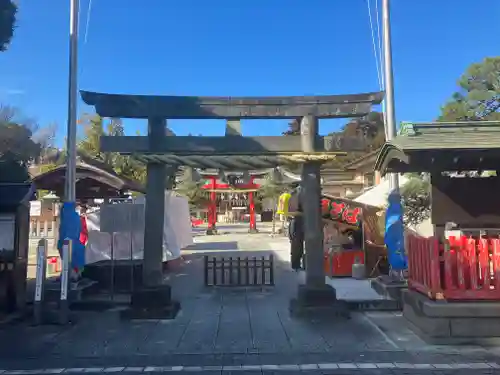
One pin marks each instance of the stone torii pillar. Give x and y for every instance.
(153, 299)
(315, 295)
(152, 267)
(310, 198)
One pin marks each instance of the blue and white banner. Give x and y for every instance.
(394, 234)
(70, 227)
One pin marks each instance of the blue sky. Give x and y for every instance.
(243, 47)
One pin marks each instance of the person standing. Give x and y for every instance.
(296, 235)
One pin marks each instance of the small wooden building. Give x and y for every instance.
(463, 270)
(94, 179)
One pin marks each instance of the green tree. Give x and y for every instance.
(93, 129)
(189, 187)
(416, 199)
(8, 13)
(17, 147)
(271, 189)
(293, 127)
(89, 145)
(371, 127)
(478, 96)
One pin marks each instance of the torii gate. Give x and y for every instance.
(231, 152)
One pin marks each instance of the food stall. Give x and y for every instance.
(353, 233)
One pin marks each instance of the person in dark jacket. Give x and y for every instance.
(296, 235)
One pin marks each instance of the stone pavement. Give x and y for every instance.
(244, 330)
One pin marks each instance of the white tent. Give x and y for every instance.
(377, 196)
(177, 233)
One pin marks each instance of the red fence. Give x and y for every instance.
(195, 222)
(461, 269)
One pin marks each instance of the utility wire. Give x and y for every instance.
(374, 45)
(87, 24)
(379, 64)
(379, 36)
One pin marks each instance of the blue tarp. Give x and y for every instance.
(394, 233)
(70, 227)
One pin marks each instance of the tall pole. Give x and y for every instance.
(70, 192)
(390, 114)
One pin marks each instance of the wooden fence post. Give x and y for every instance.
(239, 271)
(214, 271)
(271, 270)
(254, 270)
(205, 269)
(230, 270)
(247, 272)
(435, 267)
(223, 271)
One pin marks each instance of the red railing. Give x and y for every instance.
(460, 269)
(195, 222)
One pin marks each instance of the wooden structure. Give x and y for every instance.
(14, 225)
(235, 184)
(255, 271)
(362, 169)
(462, 270)
(348, 218)
(93, 180)
(345, 218)
(231, 152)
(239, 190)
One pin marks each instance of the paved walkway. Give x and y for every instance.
(233, 328)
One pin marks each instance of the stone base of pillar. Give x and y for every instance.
(211, 231)
(253, 230)
(318, 301)
(152, 303)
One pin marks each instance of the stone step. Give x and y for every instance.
(387, 287)
(77, 291)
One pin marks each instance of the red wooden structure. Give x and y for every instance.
(462, 268)
(213, 186)
(195, 222)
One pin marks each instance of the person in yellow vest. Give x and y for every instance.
(283, 204)
(289, 206)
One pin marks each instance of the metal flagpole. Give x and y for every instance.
(390, 114)
(70, 188)
(70, 193)
(397, 230)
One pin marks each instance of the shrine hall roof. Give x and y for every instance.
(93, 180)
(426, 147)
